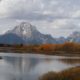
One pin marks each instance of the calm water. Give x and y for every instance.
(31, 66)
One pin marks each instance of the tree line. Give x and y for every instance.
(46, 48)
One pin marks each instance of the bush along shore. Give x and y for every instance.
(69, 74)
(67, 48)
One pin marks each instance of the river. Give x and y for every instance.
(31, 66)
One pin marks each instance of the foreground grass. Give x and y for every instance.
(70, 74)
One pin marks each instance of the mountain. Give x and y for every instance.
(61, 40)
(11, 39)
(25, 33)
(74, 37)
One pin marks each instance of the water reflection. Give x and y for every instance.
(30, 68)
(71, 61)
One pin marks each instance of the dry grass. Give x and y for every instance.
(71, 49)
(70, 74)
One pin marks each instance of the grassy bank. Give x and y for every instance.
(70, 74)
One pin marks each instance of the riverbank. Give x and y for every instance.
(23, 50)
(66, 49)
(69, 74)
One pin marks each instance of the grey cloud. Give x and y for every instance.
(72, 24)
(70, 27)
(26, 8)
(42, 11)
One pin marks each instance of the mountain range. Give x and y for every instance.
(25, 33)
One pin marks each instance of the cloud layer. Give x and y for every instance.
(48, 15)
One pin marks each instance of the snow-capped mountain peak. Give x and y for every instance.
(29, 34)
(74, 37)
(75, 34)
(23, 29)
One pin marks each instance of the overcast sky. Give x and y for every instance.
(55, 17)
